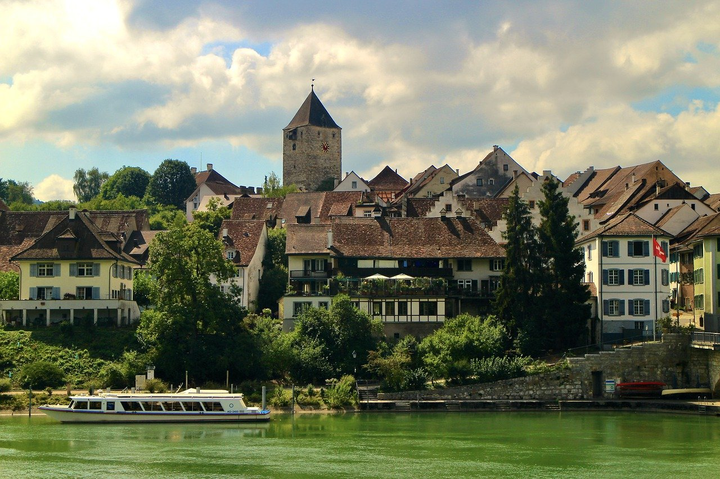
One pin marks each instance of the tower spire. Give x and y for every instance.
(312, 85)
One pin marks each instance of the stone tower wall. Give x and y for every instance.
(307, 165)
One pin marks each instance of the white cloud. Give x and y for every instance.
(54, 187)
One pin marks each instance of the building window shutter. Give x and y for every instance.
(33, 270)
(56, 292)
(604, 248)
(647, 308)
(664, 275)
(666, 306)
(630, 248)
(616, 248)
(33, 292)
(474, 285)
(73, 269)
(622, 307)
(605, 276)
(664, 246)
(631, 311)
(646, 277)
(606, 307)
(114, 271)
(56, 270)
(646, 248)
(130, 273)
(95, 293)
(631, 279)
(621, 274)
(128, 295)
(96, 269)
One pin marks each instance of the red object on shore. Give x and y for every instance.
(640, 389)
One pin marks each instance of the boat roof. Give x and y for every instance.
(194, 393)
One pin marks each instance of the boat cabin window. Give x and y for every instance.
(213, 406)
(192, 406)
(172, 406)
(110, 406)
(131, 405)
(151, 405)
(97, 405)
(80, 405)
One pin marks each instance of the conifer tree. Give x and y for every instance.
(516, 300)
(564, 296)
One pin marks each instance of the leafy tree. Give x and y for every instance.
(516, 299)
(211, 220)
(564, 296)
(143, 284)
(9, 285)
(275, 252)
(277, 353)
(273, 189)
(120, 202)
(460, 340)
(88, 183)
(127, 181)
(274, 280)
(171, 184)
(40, 375)
(3, 190)
(167, 217)
(18, 194)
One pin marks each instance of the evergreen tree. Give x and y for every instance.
(564, 296)
(516, 299)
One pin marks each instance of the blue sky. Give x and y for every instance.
(560, 85)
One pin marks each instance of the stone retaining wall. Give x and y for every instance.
(671, 361)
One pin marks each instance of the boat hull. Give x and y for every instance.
(687, 393)
(66, 415)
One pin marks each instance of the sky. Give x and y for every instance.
(559, 85)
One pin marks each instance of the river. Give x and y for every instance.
(383, 445)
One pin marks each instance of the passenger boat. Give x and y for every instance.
(687, 393)
(191, 405)
(644, 389)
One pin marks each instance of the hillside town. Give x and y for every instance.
(410, 252)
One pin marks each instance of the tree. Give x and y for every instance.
(127, 181)
(3, 190)
(167, 217)
(9, 285)
(17, 193)
(274, 280)
(88, 183)
(273, 189)
(211, 219)
(171, 184)
(564, 296)
(516, 299)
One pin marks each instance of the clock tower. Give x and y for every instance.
(312, 148)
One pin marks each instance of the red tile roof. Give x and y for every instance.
(244, 236)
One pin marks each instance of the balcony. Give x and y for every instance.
(306, 274)
(415, 272)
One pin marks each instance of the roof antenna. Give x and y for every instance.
(312, 85)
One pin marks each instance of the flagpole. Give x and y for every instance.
(655, 300)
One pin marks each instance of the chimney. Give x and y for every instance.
(71, 213)
(687, 185)
(209, 166)
(495, 147)
(329, 238)
(193, 170)
(547, 173)
(225, 233)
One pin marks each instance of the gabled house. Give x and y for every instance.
(75, 270)
(631, 283)
(265, 209)
(352, 182)
(431, 182)
(388, 184)
(210, 183)
(411, 273)
(245, 242)
(490, 177)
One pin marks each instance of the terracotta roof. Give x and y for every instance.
(312, 112)
(245, 208)
(419, 207)
(667, 216)
(218, 184)
(486, 210)
(571, 179)
(627, 225)
(244, 236)
(138, 244)
(703, 227)
(388, 180)
(75, 239)
(713, 201)
(321, 205)
(412, 238)
(306, 239)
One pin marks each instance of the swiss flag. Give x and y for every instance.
(658, 251)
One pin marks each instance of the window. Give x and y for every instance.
(464, 265)
(638, 307)
(230, 254)
(464, 284)
(664, 277)
(497, 264)
(657, 206)
(354, 185)
(589, 252)
(611, 249)
(300, 307)
(718, 271)
(43, 292)
(640, 325)
(428, 308)
(377, 308)
(586, 225)
(531, 204)
(699, 301)
(699, 276)
(479, 182)
(640, 277)
(448, 208)
(402, 308)
(590, 277)
(665, 306)
(613, 277)
(367, 214)
(323, 305)
(85, 269)
(505, 167)
(494, 282)
(613, 308)
(491, 181)
(442, 180)
(638, 248)
(83, 292)
(389, 308)
(45, 269)
(698, 250)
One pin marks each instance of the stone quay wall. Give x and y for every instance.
(671, 361)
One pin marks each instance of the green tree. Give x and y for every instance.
(273, 189)
(9, 285)
(18, 194)
(516, 299)
(211, 219)
(3, 190)
(120, 202)
(127, 181)
(167, 217)
(41, 374)
(275, 276)
(564, 296)
(88, 183)
(171, 184)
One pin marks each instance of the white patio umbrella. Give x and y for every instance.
(402, 276)
(377, 276)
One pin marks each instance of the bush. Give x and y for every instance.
(497, 368)
(280, 398)
(5, 385)
(112, 376)
(156, 386)
(40, 375)
(341, 393)
(415, 380)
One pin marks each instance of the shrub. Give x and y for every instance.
(280, 398)
(5, 385)
(341, 393)
(112, 376)
(41, 374)
(156, 386)
(415, 380)
(497, 368)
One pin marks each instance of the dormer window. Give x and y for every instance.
(230, 254)
(479, 182)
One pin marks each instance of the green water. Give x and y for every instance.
(548, 445)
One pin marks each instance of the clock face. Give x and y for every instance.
(325, 146)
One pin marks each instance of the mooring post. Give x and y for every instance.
(264, 390)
